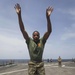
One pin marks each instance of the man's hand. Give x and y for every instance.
(18, 8)
(49, 11)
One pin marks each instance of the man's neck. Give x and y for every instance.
(36, 41)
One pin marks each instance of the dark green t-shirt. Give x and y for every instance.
(36, 50)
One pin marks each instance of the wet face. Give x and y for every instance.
(35, 36)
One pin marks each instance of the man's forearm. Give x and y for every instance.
(49, 27)
(20, 22)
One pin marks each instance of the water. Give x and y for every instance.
(13, 61)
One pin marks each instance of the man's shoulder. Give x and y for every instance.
(43, 40)
(30, 39)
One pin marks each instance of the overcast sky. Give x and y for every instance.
(62, 39)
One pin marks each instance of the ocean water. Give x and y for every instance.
(13, 61)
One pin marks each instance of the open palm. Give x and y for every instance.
(49, 11)
(17, 8)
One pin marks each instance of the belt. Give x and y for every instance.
(36, 61)
(37, 64)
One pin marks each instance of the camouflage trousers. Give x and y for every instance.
(36, 68)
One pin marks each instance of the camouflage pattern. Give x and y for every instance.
(36, 68)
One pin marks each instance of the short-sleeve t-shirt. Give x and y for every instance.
(36, 50)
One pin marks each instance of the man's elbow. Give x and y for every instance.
(49, 32)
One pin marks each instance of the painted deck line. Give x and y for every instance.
(27, 69)
(13, 71)
(63, 66)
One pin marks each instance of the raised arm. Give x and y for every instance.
(49, 28)
(18, 11)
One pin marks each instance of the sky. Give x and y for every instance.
(62, 39)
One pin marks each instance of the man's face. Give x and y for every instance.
(35, 36)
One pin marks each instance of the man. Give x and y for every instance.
(35, 45)
(59, 61)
